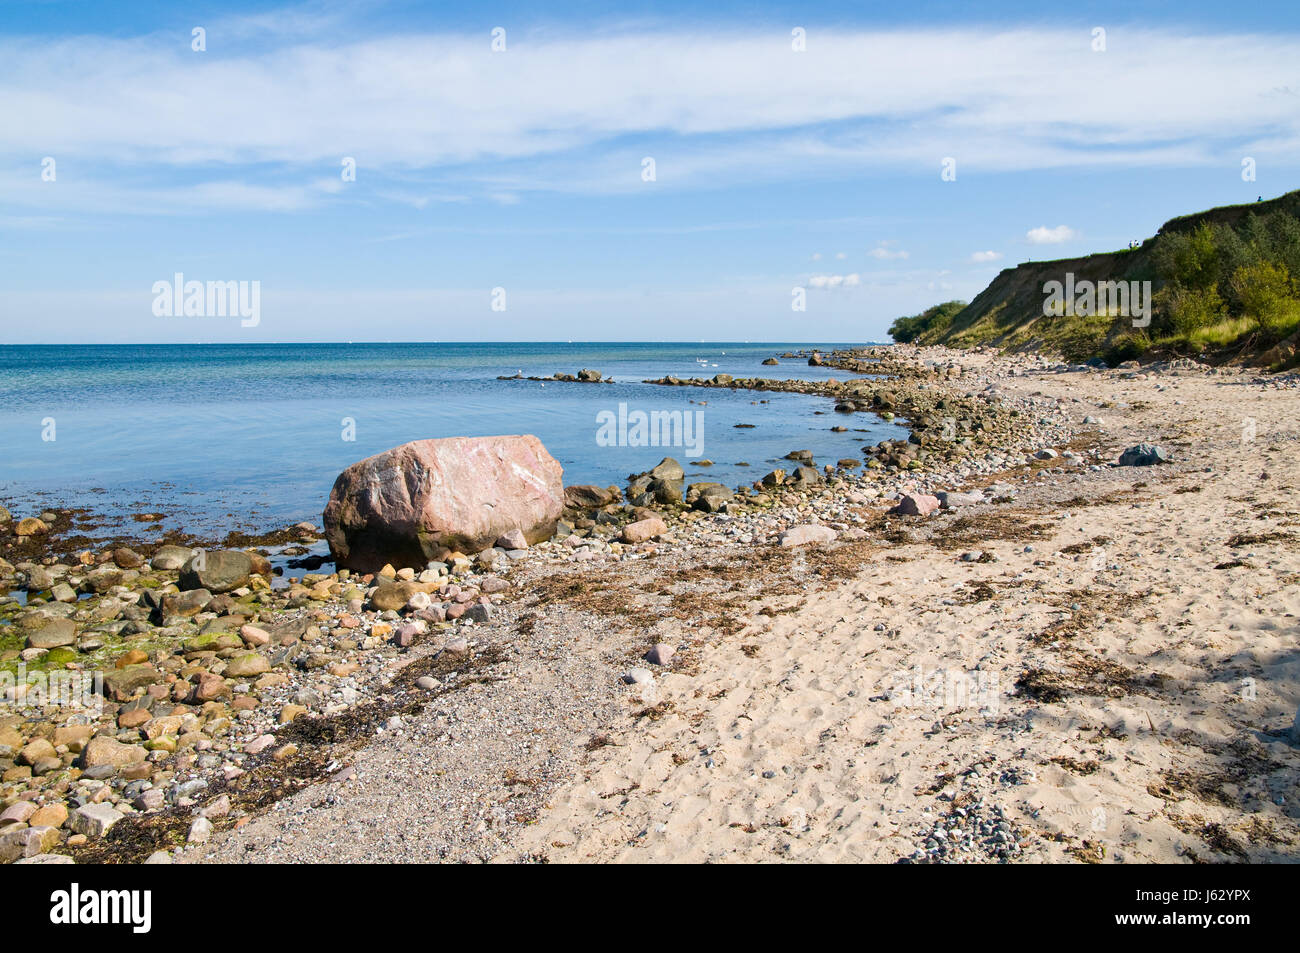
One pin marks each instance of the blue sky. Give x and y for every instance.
(523, 169)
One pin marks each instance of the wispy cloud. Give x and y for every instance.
(290, 93)
(982, 257)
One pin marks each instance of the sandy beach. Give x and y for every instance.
(1080, 663)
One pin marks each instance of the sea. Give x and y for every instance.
(250, 437)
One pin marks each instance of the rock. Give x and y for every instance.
(184, 604)
(51, 815)
(512, 539)
(254, 636)
(478, 613)
(159, 857)
(200, 831)
(668, 470)
(35, 751)
(94, 820)
(103, 751)
(62, 592)
(588, 497)
(247, 665)
(951, 501)
(427, 682)
(917, 504)
(1143, 455)
(31, 526)
(126, 558)
(1046, 454)
(133, 657)
(661, 653)
(775, 478)
(17, 813)
(805, 534)
(122, 683)
(5, 516)
(219, 571)
(771, 362)
(26, 843)
(171, 557)
(210, 687)
(53, 634)
(589, 376)
(643, 530)
(414, 503)
(709, 497)
(393, 597)
(289, 712)
(639, 676)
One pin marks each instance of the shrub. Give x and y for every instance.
(1186, 310)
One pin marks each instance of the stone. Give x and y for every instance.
(643, 530)
(53, 634)
(159, 857)
(289, 712)
(806, 534)
(917, 504)
(668, 470)
(34, 751)
(126, 558)
(133, 657)
(219, 571)
(254, 636)
(589, 497)
(122, 683)
(17, 813)
(171, 557)
(479, 613)
(51, 815)
(26, 842)
(1143, 455)
(639, 676)
(103, 751)
(1046, 454)
(31, 526)
(75, 737)
(200, 831)
(512, 539)
(247, 665)
(94, 820)
(661, 653)
(419, 501)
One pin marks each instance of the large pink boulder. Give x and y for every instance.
(416, 502)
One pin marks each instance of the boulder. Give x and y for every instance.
(1143, 455)
(218, 571)
(642, 530)
(122, 683)
(807, 534)
(31, 526)
(917, 504)
(588, 497)
(102, 750)
(53, 634)
(171, 557)
(416, 502)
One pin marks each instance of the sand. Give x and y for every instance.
(1098, 664)
(1118, 683)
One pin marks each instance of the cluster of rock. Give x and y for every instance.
(584, 376)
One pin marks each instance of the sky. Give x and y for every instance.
(654, 173)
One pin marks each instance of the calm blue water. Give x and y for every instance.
(221, 437)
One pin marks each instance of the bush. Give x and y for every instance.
(1186, 310)
(932, 323)
(1266, 293)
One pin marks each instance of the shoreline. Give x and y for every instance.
(557, 631)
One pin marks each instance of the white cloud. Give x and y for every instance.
(556, 111)
(1042, 235)
(980, 257)
(886, 252)
(835, 281)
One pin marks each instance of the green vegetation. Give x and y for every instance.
(1226, 286)
(928, 326)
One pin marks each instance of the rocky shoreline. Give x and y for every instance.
(224, 693)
